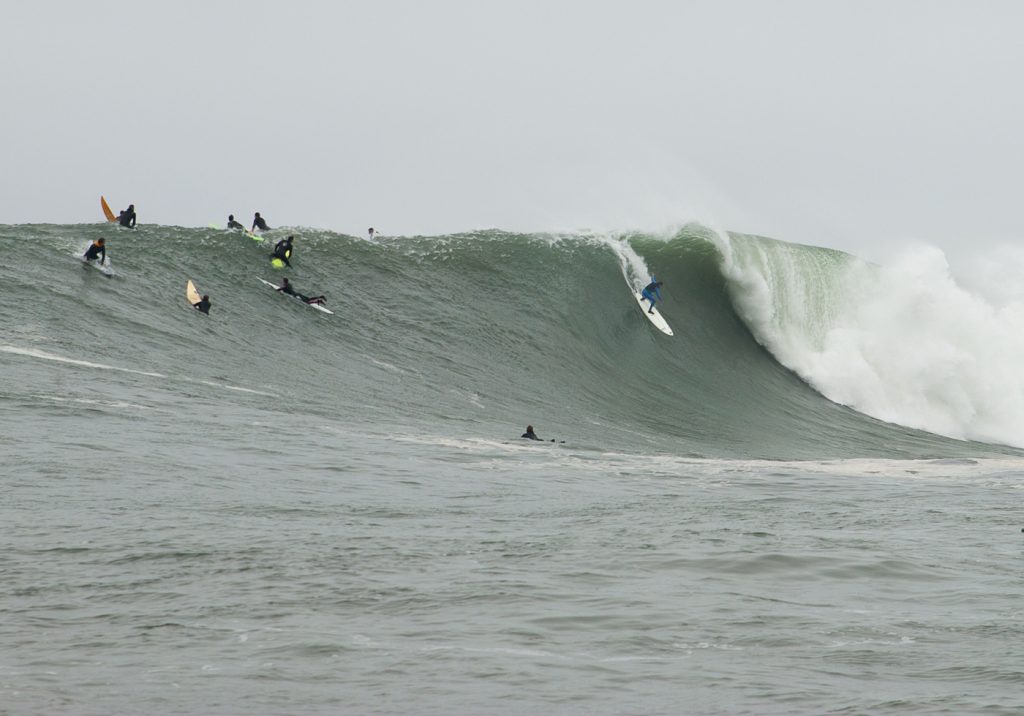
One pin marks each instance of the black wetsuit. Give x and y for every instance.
(283, 251)
(287, 288)
(232, 224)
(96, 251)
(305, 299)
(203, 306)
(530, 435)
(127, 217)
(260, 223)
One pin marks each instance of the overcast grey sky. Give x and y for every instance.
(831, 123)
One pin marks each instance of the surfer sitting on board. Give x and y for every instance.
(650, 291)
(232, 224)
(287, 288)
(203, 306)
(96, 250)
(259, 223)
(127, 217)
(283, 251)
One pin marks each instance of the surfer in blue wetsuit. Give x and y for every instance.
(96, 250)
(286, 287)
(259, 223)
(127, 217)
(232, 224)
(283, 250)
(650, 291)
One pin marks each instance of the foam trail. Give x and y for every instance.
(35, 353)
(634, 268)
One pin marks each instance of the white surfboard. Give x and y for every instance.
(652, 314)
(317, 306)
(105, 268)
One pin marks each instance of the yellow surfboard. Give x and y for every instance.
(191, 293)
(106, 210)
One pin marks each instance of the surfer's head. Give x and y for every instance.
(231, 217)
(206, 297)
(290, 239)
(529, 428)
(100, 241)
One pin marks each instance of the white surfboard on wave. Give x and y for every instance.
(104, 268)
(652, 314)
(317, 306)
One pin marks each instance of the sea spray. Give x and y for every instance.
(901, 342)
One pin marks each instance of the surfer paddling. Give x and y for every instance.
(530, 435)
(650, 291)
(286, 287)
(203, 305)
(258, 222)
(96, 250)
(232, 224)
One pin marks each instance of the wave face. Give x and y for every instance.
(781, 351)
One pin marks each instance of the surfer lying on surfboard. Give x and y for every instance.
(287, 288)
(96, 250)
(232, 224)
(650, 291)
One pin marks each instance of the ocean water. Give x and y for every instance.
(806, 501)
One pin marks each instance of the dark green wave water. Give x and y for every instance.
(469, 335)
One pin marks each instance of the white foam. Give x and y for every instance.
(905, 342)
(35, 353)
(634, 267)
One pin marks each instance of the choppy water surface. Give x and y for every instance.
(269, 511)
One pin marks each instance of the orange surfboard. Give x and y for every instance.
(106, 210)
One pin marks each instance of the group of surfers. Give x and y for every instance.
(282, 251)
